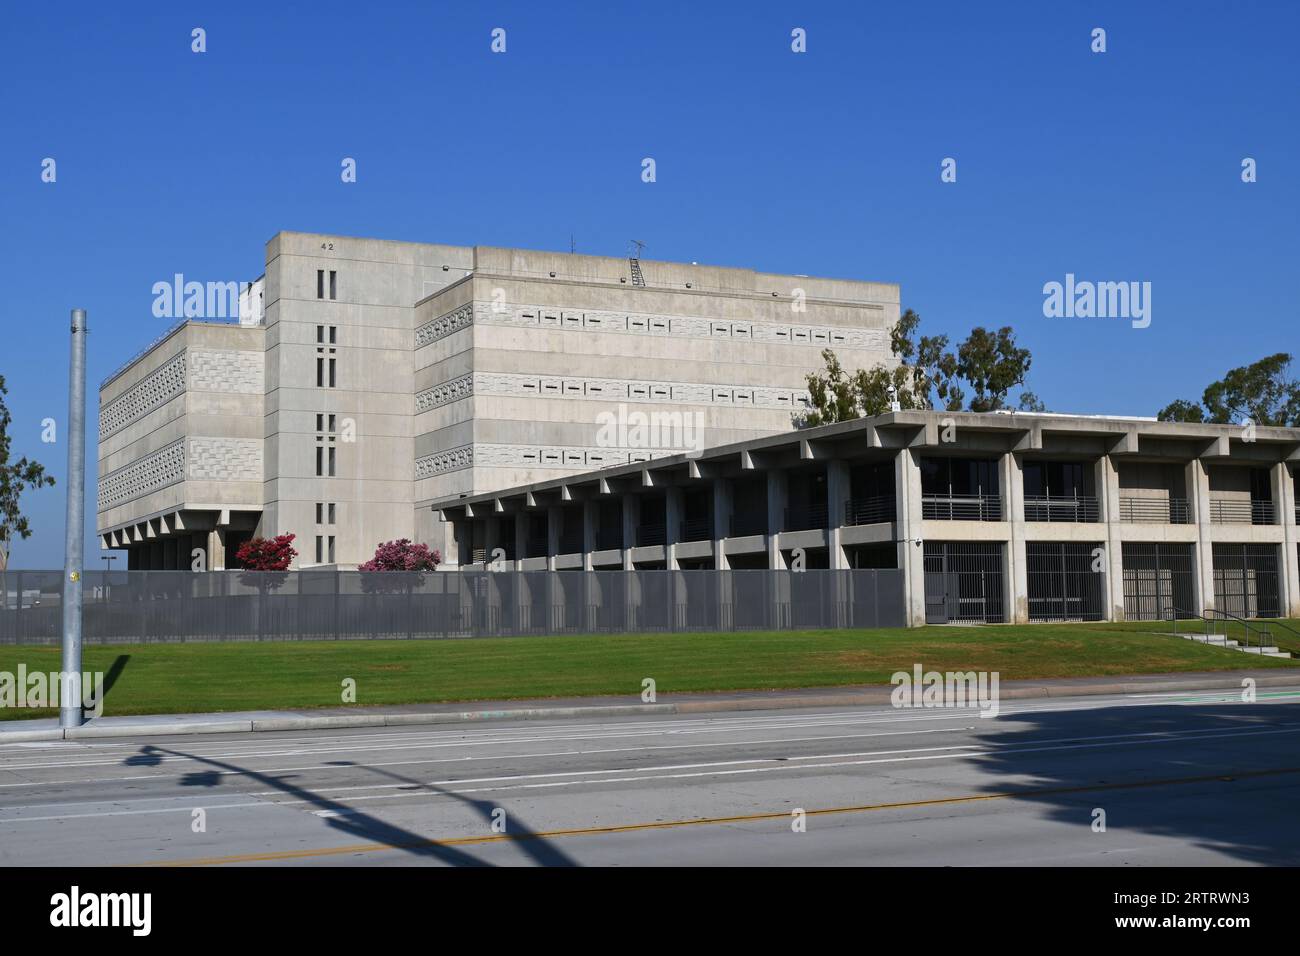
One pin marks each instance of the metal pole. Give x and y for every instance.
(70, 710)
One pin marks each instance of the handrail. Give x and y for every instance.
(1188, 615)
(1249, 628)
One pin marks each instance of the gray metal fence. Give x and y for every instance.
(166, 606)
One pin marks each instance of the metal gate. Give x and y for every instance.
(1158, 579)
(1061, 581)
(1246, 581)
(964, 581)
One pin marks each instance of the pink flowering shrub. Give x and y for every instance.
(402, 555)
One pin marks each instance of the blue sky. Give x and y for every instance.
(1116, 166)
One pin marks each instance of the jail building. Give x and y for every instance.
(999, 517)
(367, 379)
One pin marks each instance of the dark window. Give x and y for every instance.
(320, 283)
(333, 286)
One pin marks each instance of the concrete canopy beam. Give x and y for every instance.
(1217, 447)
(1125, 443)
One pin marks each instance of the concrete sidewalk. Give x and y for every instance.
(333, 718)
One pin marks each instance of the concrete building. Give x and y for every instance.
(367, 380)
(991, 517)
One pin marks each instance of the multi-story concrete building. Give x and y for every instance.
(378, 377)
(991, 517)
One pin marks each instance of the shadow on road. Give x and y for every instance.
(1222, 777)
(357, 823)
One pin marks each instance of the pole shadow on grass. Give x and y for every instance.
(354, 822)
(114, 672)
(1221, 777)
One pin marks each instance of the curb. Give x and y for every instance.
(873, 696)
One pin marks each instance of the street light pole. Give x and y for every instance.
(70, 714)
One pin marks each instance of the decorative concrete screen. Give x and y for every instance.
(172, 606)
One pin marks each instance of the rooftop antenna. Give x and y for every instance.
(572, 245)
(637, 247)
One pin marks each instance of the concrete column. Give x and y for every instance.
(1284, 501)
(1198, 494)
(588, 533)
(1012, 479)
(837, 499)
(777, 498)
(631, 520)
(216, 550)
(672, 525)
(588, 579)
(722, 504)
(491, 539)
(521, 539)
(554, 516)
(907, 521)
(1108, 504)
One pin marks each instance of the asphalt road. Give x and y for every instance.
(1194, 778)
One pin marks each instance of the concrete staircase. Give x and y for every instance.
(1219, 640)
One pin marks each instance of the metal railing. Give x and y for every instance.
(962, 507)
(1155, 510)
(747, 523)
(1078, 509)
(538, 547)
(807, 517)
(650, 534)
(609, 539)
(1241, 511)
(696, 529)
(571, 541)
(874, 510)
(1263, 634)
(138, 607)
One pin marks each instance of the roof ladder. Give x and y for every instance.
(637, 277)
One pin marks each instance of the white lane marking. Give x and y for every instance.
(748, 770)
(593, 777)
(465, 736)
(461, 759)
(1072, 742)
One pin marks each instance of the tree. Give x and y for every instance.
(1182, 411)
(402, 555)
(263, 554)
(14, 480)
(833, 398)
(1029, 402)
(927, 376)
(992, 365)
(1263, 392)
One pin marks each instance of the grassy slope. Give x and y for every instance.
(222, 677)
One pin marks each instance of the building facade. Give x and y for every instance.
(991, 517)
(375, 378)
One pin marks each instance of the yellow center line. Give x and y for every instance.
(283, 855)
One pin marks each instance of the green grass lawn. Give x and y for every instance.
(176, 678)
